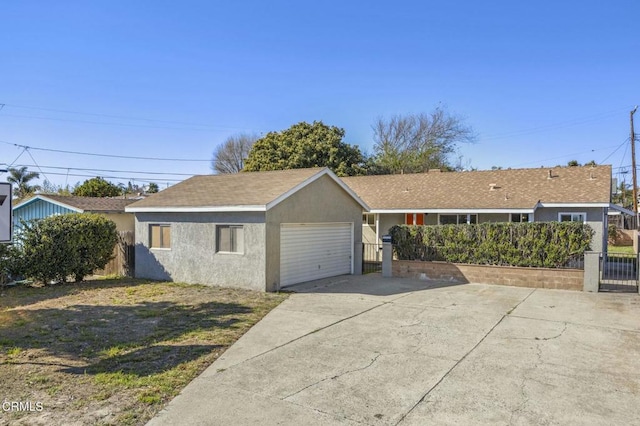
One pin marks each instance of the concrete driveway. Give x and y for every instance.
(368, 350)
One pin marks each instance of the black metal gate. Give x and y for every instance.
(619, 272)
(371, 258)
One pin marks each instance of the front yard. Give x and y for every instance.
(113, 351)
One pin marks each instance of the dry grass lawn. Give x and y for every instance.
(113, 351)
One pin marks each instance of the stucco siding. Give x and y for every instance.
(319, 202)
(595, 218)
(123, 221)
(192, 257)
(369, 234)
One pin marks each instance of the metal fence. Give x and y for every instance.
(619, 272)
(371, 258)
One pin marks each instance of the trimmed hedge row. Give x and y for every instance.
(538, 244)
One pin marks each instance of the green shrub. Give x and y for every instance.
(10, 263)
(539, 244)
(70, 245)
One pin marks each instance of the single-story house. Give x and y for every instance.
(515, 195)
(256, 230)
(45, 205)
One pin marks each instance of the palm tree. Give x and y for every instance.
(20, 178)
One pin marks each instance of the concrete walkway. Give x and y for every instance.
(368, 350)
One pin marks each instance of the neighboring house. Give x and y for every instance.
(517, 195)
(44, 205)
(256, 230)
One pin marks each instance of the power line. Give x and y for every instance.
(130, 157)
(559, 125)
(110, 170)
(122, 117)
(141, 179)
(563, 156)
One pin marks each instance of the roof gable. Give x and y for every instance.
(247, 191)
(485, 190)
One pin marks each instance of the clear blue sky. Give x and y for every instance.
(541, 82)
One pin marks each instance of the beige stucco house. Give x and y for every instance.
(256, 230)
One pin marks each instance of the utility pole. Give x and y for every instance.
(633, 165)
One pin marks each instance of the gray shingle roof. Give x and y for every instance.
(512, 189)
(239, 189)
(88, 204)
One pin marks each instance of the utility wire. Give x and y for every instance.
(111, 171)
(36, 163)
(104, 155)
(121, 117)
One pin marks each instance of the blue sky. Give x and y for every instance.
(541, 82)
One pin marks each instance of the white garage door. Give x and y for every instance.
(313, 251)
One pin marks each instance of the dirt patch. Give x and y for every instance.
(112, 352)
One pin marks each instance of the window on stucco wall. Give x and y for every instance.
(230, 239)
(572, 217)
(160, 236)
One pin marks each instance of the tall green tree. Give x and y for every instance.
(21, 178)
(417, 142)
(97, 187)
(306, 145)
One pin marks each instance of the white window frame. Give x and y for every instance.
(368, 217)
(572, 214)
(232, 242)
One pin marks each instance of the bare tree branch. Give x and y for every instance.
(417, 142)
(229, 157)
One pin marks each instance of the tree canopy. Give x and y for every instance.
(20, 178)
(97, 187)
(229, 157)
(417, 142)
(306, 145)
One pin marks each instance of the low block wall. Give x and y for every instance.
(563, 279)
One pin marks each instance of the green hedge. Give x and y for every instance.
(539, 244)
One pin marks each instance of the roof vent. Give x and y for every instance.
(493, 186)
(591, 176)
(551, 176)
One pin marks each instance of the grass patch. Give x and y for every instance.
(620, 249)
(115, 350)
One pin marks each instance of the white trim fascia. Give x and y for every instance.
(621, 209)
(49, 200)
(573, 205)
(452, 211)
(312, 179)
(212, 209)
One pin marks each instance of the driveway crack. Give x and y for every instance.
(337, 376)
(463, 358)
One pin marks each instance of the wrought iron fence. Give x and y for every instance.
(619, 272)
(371, 258)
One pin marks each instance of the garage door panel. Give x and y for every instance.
(314, 251)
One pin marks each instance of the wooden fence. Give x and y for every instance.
(123, 261)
